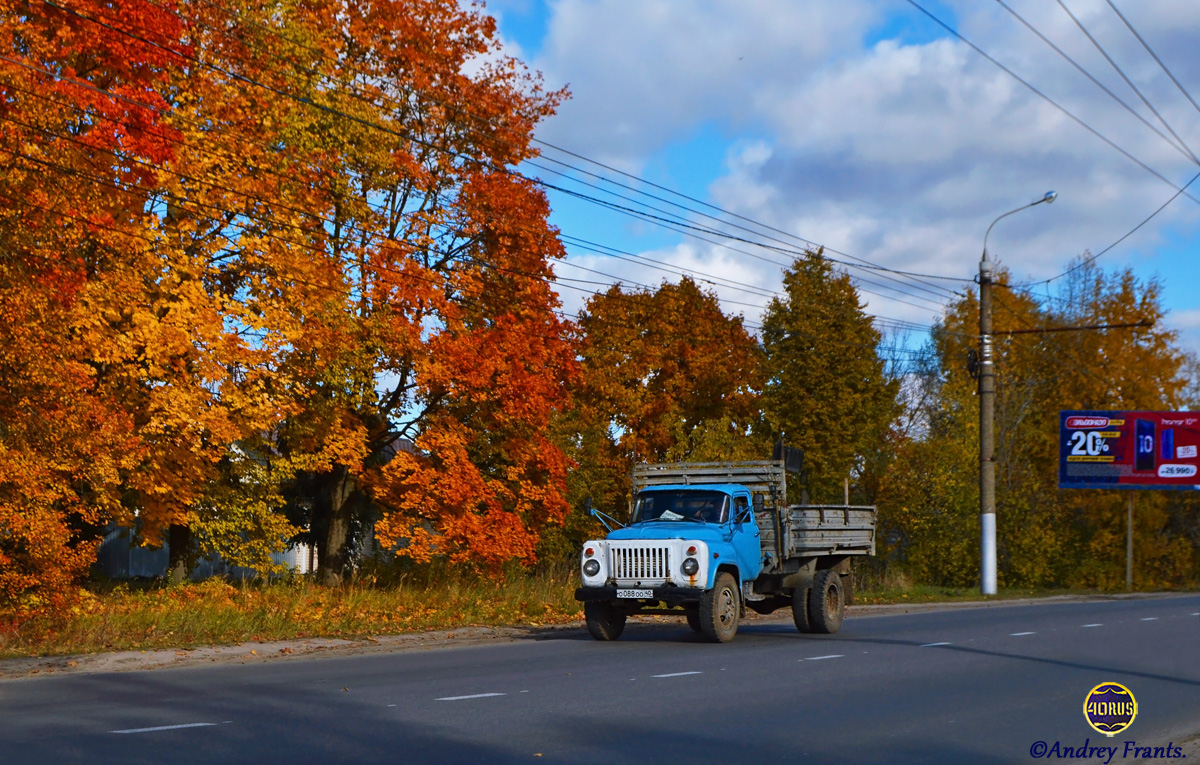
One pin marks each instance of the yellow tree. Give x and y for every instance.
(1046, 537)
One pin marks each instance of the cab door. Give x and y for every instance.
(745, 537)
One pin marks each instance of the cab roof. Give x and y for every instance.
(728, 488)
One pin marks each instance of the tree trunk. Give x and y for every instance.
(178, 539)
(336, 491)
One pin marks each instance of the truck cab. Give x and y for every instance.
(681, 542)
(708, 540)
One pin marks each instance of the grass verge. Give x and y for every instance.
(218, 613)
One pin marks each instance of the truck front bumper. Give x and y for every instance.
(670, 596)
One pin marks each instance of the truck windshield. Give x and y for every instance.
(704, 506)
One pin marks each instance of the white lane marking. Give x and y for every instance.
(391, 705)
(678, 674)
(472, 696)
(830, 656)
(1020, 634)
(1093, 625)
(1196, 614)
(934, 645)
(169, 727)
(1149, 618)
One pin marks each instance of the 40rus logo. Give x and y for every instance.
(1110, 708)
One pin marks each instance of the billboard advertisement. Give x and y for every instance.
(1128, 450)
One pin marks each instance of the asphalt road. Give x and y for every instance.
(975, 685)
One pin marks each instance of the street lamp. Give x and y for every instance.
(987, 391)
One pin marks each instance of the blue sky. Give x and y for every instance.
(863, 126)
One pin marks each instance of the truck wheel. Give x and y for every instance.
(603, 621)
(693, 619)
(827, 602)
(800, 609)
(719, 610)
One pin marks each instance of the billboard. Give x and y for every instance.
(1128, 450)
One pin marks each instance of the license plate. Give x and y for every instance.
(635, 593)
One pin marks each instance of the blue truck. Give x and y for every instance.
(708, 540)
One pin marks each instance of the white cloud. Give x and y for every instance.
(899, 153)
(643, 72)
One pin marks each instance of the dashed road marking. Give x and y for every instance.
(471, 696)
(157, 728)
(1149, 618)
(934, 645)
(1020, 634)
(819, 658)
(1093, 625)
(678, 674)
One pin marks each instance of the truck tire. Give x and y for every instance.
(827, 602)
(603, 621)
(719, 610)
(693, 619)
(800, 609)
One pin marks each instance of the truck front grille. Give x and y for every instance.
(640, 563)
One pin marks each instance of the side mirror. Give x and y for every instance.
(587, 506)
(759, 503)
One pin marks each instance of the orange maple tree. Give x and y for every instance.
(391, 267)
(667, 375)
(256, 252)
(80, 128)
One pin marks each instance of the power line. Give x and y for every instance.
(349, 228)
(1048, 100)
(1126, 235)
(802, 240)
(1125, 77)
(1154, 55)
(1049, 330)
(642, 180)
(309, 102)
(865, 265)
(688, 229)
(457, 108)
(1183, 152)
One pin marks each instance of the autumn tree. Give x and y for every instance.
(95, 325)
(827, 390)
(666, 376)
(1045, 537)
(390, 265)
(247, 252)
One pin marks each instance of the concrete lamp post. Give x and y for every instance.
(987, 392)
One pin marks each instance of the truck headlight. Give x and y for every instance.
(591, 567)
(690, 566)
